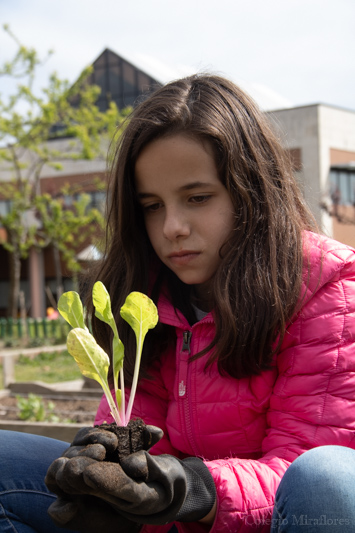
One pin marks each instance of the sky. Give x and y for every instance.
(283, 52)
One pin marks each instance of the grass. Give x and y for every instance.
(47, 367)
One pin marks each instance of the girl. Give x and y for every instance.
(253, 361)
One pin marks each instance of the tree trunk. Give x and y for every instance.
(58, 272)
(23, 314)
(14, 292)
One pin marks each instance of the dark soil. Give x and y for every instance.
(130, 438)
(76, 410)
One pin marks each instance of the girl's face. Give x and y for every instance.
(188, 212)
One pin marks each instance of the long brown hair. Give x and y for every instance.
(258, 282)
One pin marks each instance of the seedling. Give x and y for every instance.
(140, 313)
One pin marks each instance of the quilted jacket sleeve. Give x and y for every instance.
(313, 401)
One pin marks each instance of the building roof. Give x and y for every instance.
(120, 80)
(320, 104)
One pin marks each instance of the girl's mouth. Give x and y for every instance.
(183, 257)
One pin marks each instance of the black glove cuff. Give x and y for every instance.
(201, 491)
(187, 486)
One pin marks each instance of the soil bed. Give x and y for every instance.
(81, 411)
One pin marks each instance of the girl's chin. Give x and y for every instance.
(199, 286)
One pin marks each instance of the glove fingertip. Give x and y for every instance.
(54, 468)
(152, 435)
(62, 511)
(135, 465)
(82, 436)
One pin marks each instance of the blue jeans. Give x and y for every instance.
(24, 498)
(317, 493)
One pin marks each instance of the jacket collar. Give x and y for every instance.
(173, 317)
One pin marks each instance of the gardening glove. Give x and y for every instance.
(89, 445)
(144, 488)
(88, 514)
(86, 437)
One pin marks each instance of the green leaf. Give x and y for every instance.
(102, 303)
(92, 360)
(71, 309)
(140, 312)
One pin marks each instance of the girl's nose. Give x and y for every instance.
(175, 225)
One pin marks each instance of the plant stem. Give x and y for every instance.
(123, 399)
(112, 404)
(140, 340)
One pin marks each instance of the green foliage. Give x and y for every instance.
(40, 359)
(62, 227)
(138, 311)
(61, 123)
(49, 367)
(27, 119)
(33, 408)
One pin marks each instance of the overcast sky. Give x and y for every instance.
(284, 52)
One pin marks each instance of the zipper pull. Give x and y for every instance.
(186, 336)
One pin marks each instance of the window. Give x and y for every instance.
(5, 207)
(342, 185)
(97, 200)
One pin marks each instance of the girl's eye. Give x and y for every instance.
(151, 207)
(201, 198)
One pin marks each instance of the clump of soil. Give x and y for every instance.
(130, 438)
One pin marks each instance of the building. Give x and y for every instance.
(321, 139)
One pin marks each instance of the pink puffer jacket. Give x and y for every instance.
(249, 430)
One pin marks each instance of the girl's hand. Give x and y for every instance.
(145, 489)
(74, 508)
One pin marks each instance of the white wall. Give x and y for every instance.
(70, 166)
(298, 128)
(315, 129)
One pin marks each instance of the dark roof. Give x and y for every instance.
(120, 80)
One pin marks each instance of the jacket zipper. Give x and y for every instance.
(184, 388)
(186, 338)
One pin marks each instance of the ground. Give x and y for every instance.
(77, 410)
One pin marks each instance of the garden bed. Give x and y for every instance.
(71, 410)
(80, 412)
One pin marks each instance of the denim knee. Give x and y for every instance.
(317, 492)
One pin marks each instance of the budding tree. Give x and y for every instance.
(40, 129)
